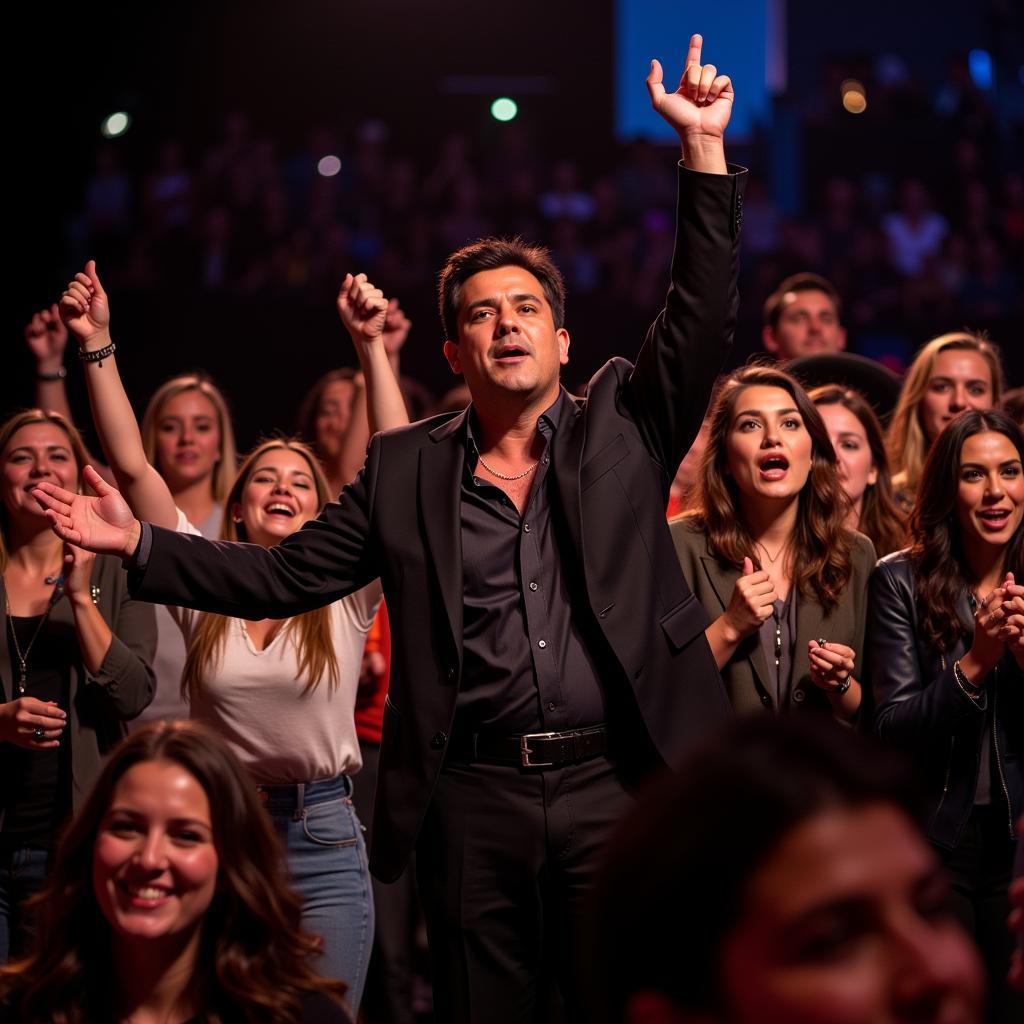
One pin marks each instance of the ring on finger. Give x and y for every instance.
(38, 733)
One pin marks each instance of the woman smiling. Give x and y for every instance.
(946, 663)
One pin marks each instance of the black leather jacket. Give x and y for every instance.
(920, 707)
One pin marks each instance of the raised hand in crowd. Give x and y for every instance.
(46, 338)
(699, 109)
(990, 638)
(85, 308)
(378, 328)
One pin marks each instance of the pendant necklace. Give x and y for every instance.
(22, 656)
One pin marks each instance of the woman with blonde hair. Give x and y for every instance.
(953, 372)
(281, 692)
(75, 657)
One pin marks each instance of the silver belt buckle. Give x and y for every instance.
(525, 751)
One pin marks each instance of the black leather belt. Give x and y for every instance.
(534, 749)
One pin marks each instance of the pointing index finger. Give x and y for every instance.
(693, 56)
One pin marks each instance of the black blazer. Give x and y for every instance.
(613, 458)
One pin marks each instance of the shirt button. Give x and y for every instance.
(552, 705)
(799, 696)
(542, 643)
(438, 740)
(526, 527)
(533, 586)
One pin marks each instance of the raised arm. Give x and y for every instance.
(85, 310)
(378, 403)
(688, 342)
(46, 338)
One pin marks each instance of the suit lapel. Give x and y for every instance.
(440, 497)
(723, 580)
(566, 458)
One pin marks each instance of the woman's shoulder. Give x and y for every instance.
(688, 527)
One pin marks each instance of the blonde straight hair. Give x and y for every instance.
(311, 631)
(906, 442)
(224, 471)
(26, 419)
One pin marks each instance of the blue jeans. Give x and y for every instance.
(22, 873)
(323, 841)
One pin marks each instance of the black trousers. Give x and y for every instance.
(979, 870)
(505, 862)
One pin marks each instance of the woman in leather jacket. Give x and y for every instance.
(946, 666)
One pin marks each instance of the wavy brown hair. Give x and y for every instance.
(313, 641)
(224, 470)
(906, 441)
(27, 418)
(880, 516)
(940, 569)
(821, 559)
(255, 961)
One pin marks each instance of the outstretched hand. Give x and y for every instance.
(84, 306)
(702, 104)
(104, 523)
(363, 309)
(46, 337)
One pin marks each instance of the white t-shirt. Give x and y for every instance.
(256, 701)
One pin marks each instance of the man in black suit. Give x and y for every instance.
(546, 648)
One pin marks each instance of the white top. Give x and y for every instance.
(169, 659)
(255, 699)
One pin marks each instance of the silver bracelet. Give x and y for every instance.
(972, 691)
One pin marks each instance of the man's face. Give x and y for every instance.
(508, 344)
(808, 325)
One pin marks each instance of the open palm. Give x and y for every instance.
(102, 523)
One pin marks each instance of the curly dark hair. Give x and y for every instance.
(822, 547)
(255, 961)
(937, 555)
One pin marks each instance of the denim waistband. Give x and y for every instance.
(286, 799)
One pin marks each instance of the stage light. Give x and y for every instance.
(980, 64)
(855, 100)
(116, 124)
(504, 109)
(328, 166)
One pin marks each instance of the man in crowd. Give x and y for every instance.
(802, 317)
(546, 651)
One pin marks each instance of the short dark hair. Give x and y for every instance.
(489, 254)
(804, 282)
(677, 869)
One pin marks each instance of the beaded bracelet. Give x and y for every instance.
(97, 355)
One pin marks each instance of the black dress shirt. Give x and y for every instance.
(527, 667)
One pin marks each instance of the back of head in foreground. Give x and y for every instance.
(780, 876)
(252, 960)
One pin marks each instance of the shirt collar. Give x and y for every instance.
(547, 422)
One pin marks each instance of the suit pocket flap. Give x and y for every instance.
(684, 622)
(611, 454)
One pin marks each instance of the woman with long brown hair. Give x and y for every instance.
(946, 663)
(168, 902)
(863, 465)
(769, 556)
(281, 691)
(74, 659)
(949, 374)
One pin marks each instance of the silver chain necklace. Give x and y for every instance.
(22, 656)
(505, 476)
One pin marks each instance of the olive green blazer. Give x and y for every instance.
(746, 675)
